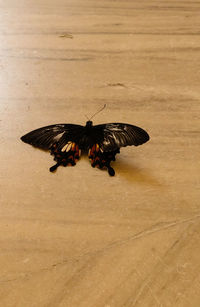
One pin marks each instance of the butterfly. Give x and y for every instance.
(102, 142)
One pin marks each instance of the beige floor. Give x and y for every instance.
(79, 238)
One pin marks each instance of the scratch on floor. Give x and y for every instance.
(116, 85)
(139, 235)
(147, 232)
(146, 284)
(66, 35)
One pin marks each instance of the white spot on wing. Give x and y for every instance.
(57, 137)
(67, 147)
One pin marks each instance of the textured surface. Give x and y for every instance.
(79, 237)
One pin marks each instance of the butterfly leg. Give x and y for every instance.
(102, 159)
(67, 155)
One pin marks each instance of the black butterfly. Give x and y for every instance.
(103, 142)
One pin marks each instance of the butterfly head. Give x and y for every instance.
(89, 124)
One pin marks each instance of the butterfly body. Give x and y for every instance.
(103, 142)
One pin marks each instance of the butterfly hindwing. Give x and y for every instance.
(68, 155)
(102, 159)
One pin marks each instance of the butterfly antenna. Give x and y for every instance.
(86, 116)
(98, 111)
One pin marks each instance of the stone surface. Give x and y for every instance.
(79, 237)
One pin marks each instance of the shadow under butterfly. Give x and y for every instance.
(102, 142)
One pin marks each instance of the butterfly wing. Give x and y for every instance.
(45, 137)
(107, 140)
(61, 139)
(112, 136)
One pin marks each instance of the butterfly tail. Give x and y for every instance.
(111, 171)
(54, 167)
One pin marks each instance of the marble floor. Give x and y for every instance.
(78, 237)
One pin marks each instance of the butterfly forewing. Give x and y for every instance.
(116, 135)
(45, 137)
